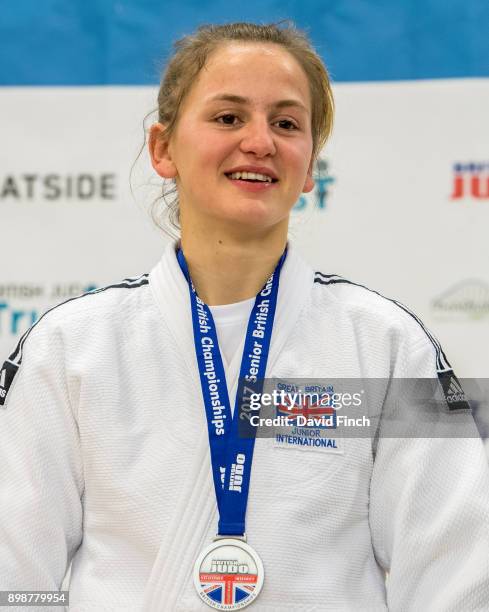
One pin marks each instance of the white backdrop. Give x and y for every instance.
(388, 219)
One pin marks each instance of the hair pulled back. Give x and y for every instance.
(193, 51)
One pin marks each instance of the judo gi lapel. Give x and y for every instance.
(196, 505)
(185, 534)
(170, 291)
(296, 283)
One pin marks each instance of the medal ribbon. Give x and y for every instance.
(231, 455)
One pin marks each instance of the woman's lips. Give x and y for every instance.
(253, 186)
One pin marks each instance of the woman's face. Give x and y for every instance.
(248, 110)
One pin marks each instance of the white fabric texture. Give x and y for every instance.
(231, 321)
(104, 458)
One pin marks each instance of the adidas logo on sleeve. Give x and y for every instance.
(454, 394)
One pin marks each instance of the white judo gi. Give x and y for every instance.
(104, 459)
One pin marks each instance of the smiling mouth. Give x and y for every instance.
(250, 180)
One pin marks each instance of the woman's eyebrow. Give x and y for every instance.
(240, 100)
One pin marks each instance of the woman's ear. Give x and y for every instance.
(309, 182)
(159, 151)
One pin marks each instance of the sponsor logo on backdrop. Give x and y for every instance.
(20, 303)
(470, 181)
(319, 197)
(53, 186)
(468, 299)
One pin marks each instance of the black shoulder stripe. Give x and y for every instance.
(12, 364)
(442, 363)
(127, 283)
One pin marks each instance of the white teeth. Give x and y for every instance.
(251, 175)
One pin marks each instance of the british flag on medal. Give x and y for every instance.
(228, 574)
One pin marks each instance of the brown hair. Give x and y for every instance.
(193, 51)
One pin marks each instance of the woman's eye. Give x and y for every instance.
(227, 119)
(287, 124)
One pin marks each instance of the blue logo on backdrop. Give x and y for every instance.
(321, 193)
(15, 320)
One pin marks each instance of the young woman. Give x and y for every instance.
(120, 446)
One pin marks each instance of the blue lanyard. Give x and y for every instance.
(231, 455)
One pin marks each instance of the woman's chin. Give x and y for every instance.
(254, 214)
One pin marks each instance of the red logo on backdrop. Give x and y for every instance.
(471, 180)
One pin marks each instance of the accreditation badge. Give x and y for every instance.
(228, 574)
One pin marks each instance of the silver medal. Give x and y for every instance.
(228, 574)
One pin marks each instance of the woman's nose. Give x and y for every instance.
(258, 138)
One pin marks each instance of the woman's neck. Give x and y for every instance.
(227, 268)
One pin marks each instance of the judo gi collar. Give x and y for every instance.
(171, 294)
